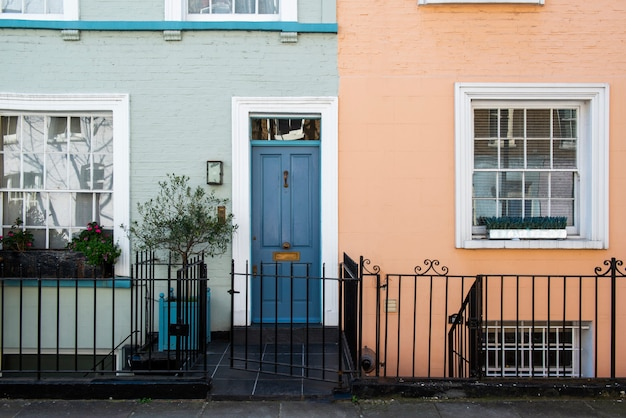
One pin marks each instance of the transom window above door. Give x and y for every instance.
(293, 128)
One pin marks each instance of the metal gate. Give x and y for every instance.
(317, 350)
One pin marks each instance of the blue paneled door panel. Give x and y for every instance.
(286, 234)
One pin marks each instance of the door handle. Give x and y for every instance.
(286, 245)
(285, 177)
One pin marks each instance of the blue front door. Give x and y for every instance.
(286, 234)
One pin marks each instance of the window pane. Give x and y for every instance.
(105, 208)
(33, 171)
(83, 207)
(268, 6)
(79, 134)
(103, 172)
(11, 6)
(55, 6)
(11, 171)
(563, 184)
(34, 6)
(12, 207)
(102, 137)
(538, 123)
(33, 134)
(538, 153)
(60, 214)
(35, 209)
(285, 129)
(57, 133)
(56, 171)
(58, 238)
(80, 172)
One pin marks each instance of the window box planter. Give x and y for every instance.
(50, 264)
(527, 234)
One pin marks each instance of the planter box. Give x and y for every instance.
(189, 339)
(50, 264)
(527, 234)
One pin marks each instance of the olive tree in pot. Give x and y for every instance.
(186, 222)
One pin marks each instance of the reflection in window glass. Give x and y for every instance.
(57, 174)
(233, 6)
(285, 129)
(32, 6)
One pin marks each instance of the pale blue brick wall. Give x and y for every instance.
(180, 95)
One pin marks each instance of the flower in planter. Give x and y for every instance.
(96, 244)
(18, 238)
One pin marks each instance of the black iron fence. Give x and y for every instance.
(431, 324)
(155, 322)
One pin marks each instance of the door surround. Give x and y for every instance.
(242, 109)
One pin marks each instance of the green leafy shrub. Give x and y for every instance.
(535, 222)
(18, 238)
(96, 244)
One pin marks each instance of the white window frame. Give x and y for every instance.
(70, 12)
(118, 105)
(242, 109)
(593, 203)
(425, 2)
(176, 10)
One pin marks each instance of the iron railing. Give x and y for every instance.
(89, 327)
(433, 325)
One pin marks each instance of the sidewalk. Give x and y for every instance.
(396, 408)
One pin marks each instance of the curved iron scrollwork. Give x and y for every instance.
(375, 269)
(612, 270)
(431, 266)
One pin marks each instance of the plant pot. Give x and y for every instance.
(527, 234)
(50, 264)
(187, 328)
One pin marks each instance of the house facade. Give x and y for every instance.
(101, 103)
(453, 112)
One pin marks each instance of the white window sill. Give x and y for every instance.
(564, 244)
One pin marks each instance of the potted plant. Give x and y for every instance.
(538, 227)
(98, 247)
(93, 256)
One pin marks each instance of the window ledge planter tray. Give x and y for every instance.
(527, 234)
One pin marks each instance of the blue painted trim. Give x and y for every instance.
(168, 25)
(119, 283)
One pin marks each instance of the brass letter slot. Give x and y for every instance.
(286, 255)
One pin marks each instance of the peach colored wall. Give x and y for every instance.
(398, 63)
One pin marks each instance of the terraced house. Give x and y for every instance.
(423, 189)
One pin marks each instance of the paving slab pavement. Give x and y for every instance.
(396, 408)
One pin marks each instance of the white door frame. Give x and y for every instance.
(242, 109)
